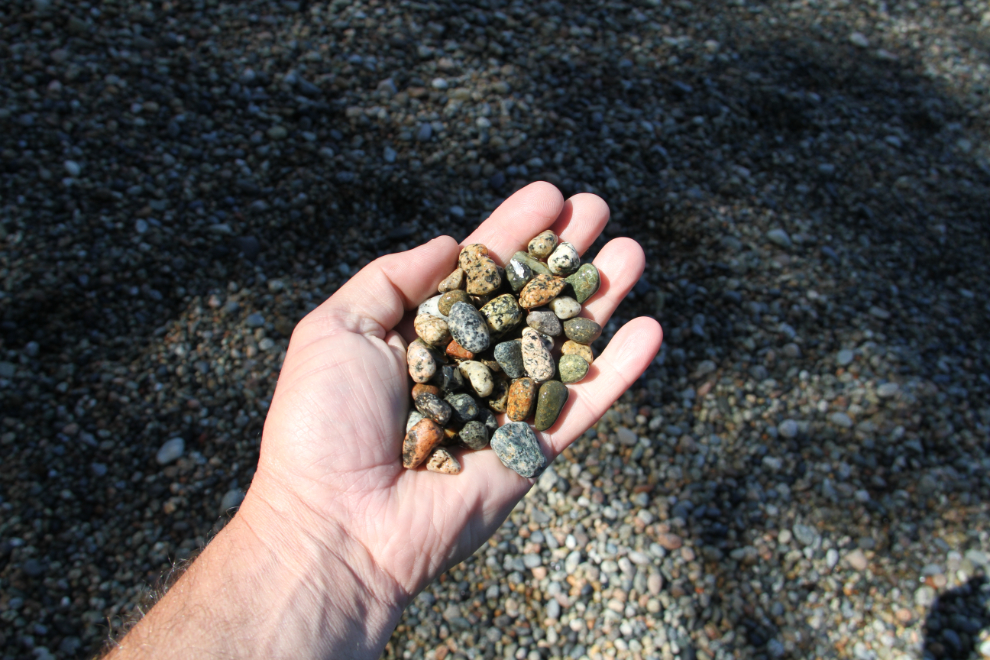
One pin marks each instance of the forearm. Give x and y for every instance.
(267, 589)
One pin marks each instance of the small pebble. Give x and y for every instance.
(421, 363)
(572, 368)
(424, 388)
(478, 375)
(449, 379)
(452, 282)
(543, 244)
(544, 321)
(585, 282)
(433, 407)
(502, 314)
(457, 351)
(447, 300)
(564, 260)
(516, 446)
(535, 265)
(474, 434)
(582, 330)
(419, 442)
(518, 274)
(431, 306)
(170, 451)
(464, 407)
(468, 327)
(549, 403)
(581, 350)
(499, 398)
(432, 330)
(443, 462)
(508, 354)
(537, 359)
(565, 307)
(414, 418)
(479, 269)
(540, 291)
(522, 395)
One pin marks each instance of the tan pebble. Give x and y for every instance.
(453, 282)
(540, 291)
(537, 360)
(432, 330)
(478, 375)
(421, 363)
(422, 439)
(581, 350)
(470, 254)
(482, 277)
(443, 462)
(542, 245)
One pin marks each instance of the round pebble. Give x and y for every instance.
(433, 407)
(572, 368)
(582, 330)
(516, 446)
(583, 351)
(509, 356)
(474, 435)
(448, 299)
(585, 282)
(421, 363)
(502, 314)
(464, 407)
(564, 260)
(540, 291)
(543, 244)
(478, 375)
(565, 307)
(432, 330)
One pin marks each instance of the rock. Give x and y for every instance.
(433, 407)
(788, 428)
(502, 314)
(572, 368)
(888, 390)
(535, 265)
(468, 327)
(449, 299)
(516, 446)
(581, 350)
(669, 541)
(449, 379)
(536, 358)
(549, 403)
(544, 321)
(543, 244)
(859, 40)
(443, 462)
(654, 583)
(841, 419)
(414, 418)
(499, 398)
(518, 274)
(432, 330)
(170, 451)
(540, 291)
(423, 388)
(508, 354)
(582, 330)
(486, 417)
(564, 260)
(626, 436)
(463, 406)
(585, 282)
(779, 237)
(479, 269)
(565, 307)
(422, 364)
(231, 499)
(453, 282)
(474, 434)
(420, 442)
(844, 357)
(431, 306)
(72, 168)
(522, 395)
(457, 351)
(856, 560)
(478, 375)
(806, 535)
(254, 320)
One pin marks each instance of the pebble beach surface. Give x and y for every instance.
(802, 472)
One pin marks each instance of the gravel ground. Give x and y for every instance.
(802, 472)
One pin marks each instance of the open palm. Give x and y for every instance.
(334, 432)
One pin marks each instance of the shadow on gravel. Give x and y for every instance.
(956, 619)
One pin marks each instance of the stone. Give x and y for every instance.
(565, 260)
(535, 265)
(499, 398)
(421, 362)
(544, 321)
(449, 379)
(508, 354)
(522, 395)
(857, 560)
(448, 300)
(841, 419)
(572, 368)
(433, 407)
(443, 462)
(585, 282)
(453, 282)
(582, 330)
(540, 291)
(423, 388)
(170, 451)
(549, 403)
(478, 375)
(779, 238)
(474, 434)
(805, 534)
(414, 418)
(543, 244)
(431, 306)
(463, 407)
(537, 359)
(654, 583)
(845, 357)
(565, 307)
(487, 417)
(888, 390)
(432, 330)
(479, 269)
(518, 274)
(516, 446)
(231, 500)
(669, 541)
(457, 351)
(420, 442)
(581, 350)
(788, 428)
(502, 314)
(468, 327)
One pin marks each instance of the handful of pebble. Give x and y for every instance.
(486, 345)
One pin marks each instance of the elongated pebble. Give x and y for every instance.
(522, 395)
(543, 320)
(581, 350)
(543, 244)
(432, 329)
(433, 407)
(572, 368)
(498, 400)
(474, 434)
(464, 407)
(536, 358)
(549, 403)
(420, 441)
(564, 260)
(448, 299)
(582, 330)
(565, 307)
(478, 375)
(452, 282)
(421, 363)
(518, 274)
(516, 446)
(508, 354)
(468, 327)
(443, 461)
(585, 282)
(479, 269)
(540, 291)
(502, 314)
(537, 266)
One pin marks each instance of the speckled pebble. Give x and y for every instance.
(423, 388)
(516, 446)
(433, 407)
(502, 314)
(478, 375)
(518, 274)
(564, 260)
(464, 407)
(449, 379)
(522, 396)
(419, 442)
(421, 363)
(543, 244)
(536, 358)
(573, 348)
(585, 282)
(544, 321)
(474, 435)
(565, 307)
(540, 291)
(582, 330)
(431, 329)
(414, 418)
(468, 327)
(448, 299)
(452, 282)
(508, 354)
(572, 368)
(480, 270)
(498, 400)
(443, 461)
(549, 403)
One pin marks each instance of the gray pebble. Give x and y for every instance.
(516, 446)
(474, 434)
(508, 354)
(170, 451)
(545, 322)
(468, 327)
(465, 408)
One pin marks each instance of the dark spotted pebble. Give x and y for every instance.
(522, 395)
(502, 314)
(433, 407)
(448, 299)
(516, 446)
(481, 271)
(498, 400)
(422, 364)
(544, 321)
(449, 379)
(474, 435)
(443, 461)
(423, 388)
(432, 330)
(468, 327)
(537, 359)
(549, 403)
(564, 260)
(420, 442)
(572, 368)
(508, 354)
(487, 417)
(464, 407)
(543, 244)
(455, 280)
(414, 418)
(582, 330)
(540, 291)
